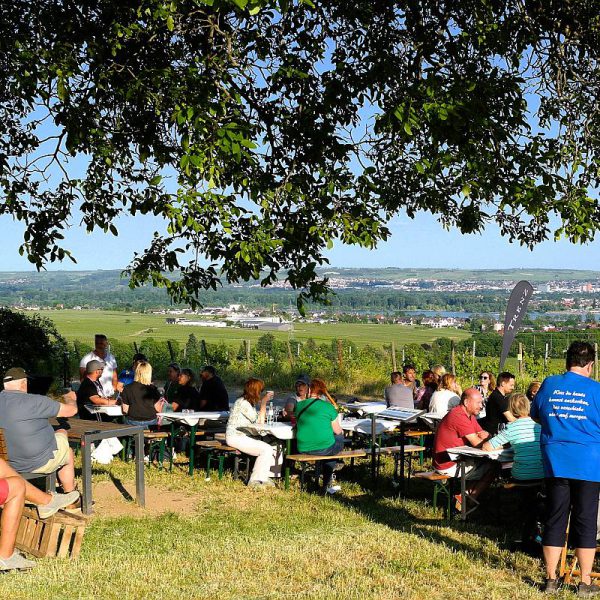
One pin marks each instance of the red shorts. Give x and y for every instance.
(3, 491)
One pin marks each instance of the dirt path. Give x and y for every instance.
(112, 501)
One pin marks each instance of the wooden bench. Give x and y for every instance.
(222, 451)
(442, 484)
(307, 459)
(419, 433)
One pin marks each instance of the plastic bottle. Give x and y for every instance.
(270, 414)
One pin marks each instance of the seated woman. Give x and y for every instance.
(523, 436)
(186, 396)
(446, 397)
(243, 413)
(141, 400)
(426, 391)
(318, 430)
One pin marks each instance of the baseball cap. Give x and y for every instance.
(15, 374)
(305, 379)
(94, 365)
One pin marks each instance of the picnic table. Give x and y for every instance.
(111, 411)
(460, 453)
(87, 432)
(192, 420)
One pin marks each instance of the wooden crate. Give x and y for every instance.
(60, 535)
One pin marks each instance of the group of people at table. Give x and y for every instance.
(554, 430)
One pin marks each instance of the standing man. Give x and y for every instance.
(496, 408)
(101, 352)
(568, 409)
(213, 395)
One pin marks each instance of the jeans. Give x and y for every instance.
(129, 421)
(329, 465)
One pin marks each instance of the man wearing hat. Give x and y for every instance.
(91, 391)
(302, 385)
(32, 444)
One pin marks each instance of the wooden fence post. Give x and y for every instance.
(394, 366)
(247, 342)
(340, 353)
(290, 355)
(452, 357)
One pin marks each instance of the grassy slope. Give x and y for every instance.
(277, 544)
(82, 325)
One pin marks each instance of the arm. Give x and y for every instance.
(509, 416)
(69, 407)
(115, 379)
(262, 413)
(337, 428)
(477, 439)
(288, 409)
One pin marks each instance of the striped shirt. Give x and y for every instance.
(524, 437)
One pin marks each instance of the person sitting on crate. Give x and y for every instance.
(523, 436)
(461, 428)
(12, 500)
(32, 444)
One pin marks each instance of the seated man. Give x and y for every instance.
(460, 428)
(213, 395)
(301, 393)
(172, 382)
(91, 392)
(398, 394)
(32, 444)
(12, 499)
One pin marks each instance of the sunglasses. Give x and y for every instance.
(483, 377)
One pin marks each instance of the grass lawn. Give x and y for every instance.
(233, 542)
(131, 327)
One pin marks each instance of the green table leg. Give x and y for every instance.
(172, 445)
(192, 448)
(288, 450)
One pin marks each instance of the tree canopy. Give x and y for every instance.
(263, 130)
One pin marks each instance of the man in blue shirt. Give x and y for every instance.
(568, 409)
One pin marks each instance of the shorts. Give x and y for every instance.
(474, 469)
(3, 491)
(60, 457)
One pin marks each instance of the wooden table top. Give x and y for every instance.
(77, 427)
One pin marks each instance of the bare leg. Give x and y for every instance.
(66, 474)
(551, 558)
(32, 494)
(585, 556)
(11, 515)
(482, 485)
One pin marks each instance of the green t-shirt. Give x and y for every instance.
(313, 424)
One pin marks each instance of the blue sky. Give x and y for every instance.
(415, 243)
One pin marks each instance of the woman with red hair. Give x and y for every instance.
(243, 413)
(318, 430)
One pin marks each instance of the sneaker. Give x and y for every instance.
(587, 590)
(332, 489)
(550, 586)
(268, 483)
(254, 483)
(58, 501)
(16, 561)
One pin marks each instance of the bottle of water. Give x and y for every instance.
(270, 414)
